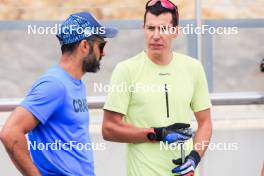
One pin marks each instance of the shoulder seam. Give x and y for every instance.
(59, 82)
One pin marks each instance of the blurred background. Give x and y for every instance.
(232, 64)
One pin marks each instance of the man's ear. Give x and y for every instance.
(84, 46)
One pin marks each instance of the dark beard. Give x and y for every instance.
(90, 63)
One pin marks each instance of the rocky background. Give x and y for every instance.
(125, 9)
(23, 58)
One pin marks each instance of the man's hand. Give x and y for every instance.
(187, 168)
(174, 133)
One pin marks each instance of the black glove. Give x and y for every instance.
(187, 168)
(173, 133)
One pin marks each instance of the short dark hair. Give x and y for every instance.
(69, 48)
(158, 9)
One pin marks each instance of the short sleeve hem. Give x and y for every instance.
(34, 112)
(201, 108)
(118, 110)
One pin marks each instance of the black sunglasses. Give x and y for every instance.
(164, 3)
(100, 40)
(102, 45)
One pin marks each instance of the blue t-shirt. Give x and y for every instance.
(60, 144)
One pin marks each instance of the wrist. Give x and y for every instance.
(158, 133)
(151, 135)
(194, 155)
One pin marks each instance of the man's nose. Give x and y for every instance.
(156, 35)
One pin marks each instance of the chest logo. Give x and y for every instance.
(80, 105)
(164, 74)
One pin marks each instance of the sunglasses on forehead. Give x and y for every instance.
(164, 3)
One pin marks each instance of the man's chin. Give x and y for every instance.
(155, 51)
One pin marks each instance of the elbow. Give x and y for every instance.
(107, 132)
(111, 127)
(1, 135)
(8, 135)
(5, 136)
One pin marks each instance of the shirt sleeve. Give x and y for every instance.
(200, 99)
(44, 98)
(119, 94)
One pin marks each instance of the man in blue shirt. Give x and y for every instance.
(55, 111)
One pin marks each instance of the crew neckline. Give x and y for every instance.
(158, 65)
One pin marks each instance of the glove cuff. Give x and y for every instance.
(194, 155)
(158, 132)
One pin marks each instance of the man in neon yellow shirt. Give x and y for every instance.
(153, 95)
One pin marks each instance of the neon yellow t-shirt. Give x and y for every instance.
(151, 95)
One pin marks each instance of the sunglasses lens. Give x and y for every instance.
(101, 46)
(165, 3)
(153, 2)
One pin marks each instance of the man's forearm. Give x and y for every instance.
(126, 133)
(203, 137)
(115, 129)
(17, 148)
